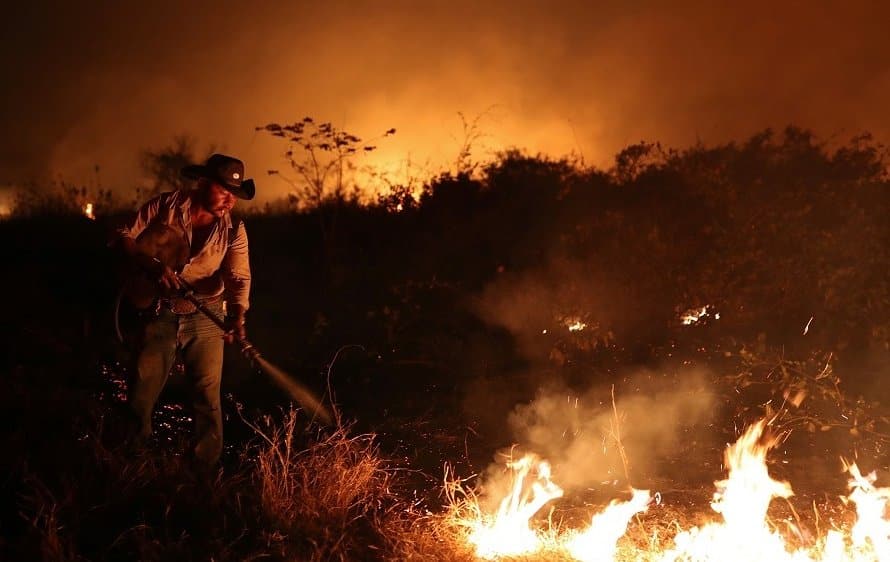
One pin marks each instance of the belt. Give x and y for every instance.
(185, 307)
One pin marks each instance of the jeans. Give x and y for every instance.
(200, 343)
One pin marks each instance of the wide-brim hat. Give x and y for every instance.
(226, 171)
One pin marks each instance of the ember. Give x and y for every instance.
(575, 324)
(693, 315)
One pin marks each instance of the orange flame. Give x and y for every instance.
(871, 533)
(742, 500)
(508, 532)
(745, 535)
(599, 541)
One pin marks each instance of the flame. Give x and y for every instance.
(693, 315)
(575, 324)
(745, 533)
(599, 541)
(871, 533)
(742, 499)
(507, 533)
(88, 211)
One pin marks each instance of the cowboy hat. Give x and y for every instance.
(226, 171)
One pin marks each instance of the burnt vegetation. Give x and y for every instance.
(447, 311)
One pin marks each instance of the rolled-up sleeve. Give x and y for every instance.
(235, 269)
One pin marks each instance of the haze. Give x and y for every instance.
(93, 83)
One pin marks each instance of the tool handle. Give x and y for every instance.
(188, 293)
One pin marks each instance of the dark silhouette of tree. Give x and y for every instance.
(637, 159)
(322, 158)
(322, 161)
(472, 135)
(162, 166)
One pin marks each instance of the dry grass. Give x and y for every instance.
(43, 517)
(330, 500)
(295, 495)
(298, 494)
(423, 536)
(335, 500)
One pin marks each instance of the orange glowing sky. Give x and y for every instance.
(89, 85)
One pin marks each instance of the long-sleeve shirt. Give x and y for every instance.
(221, 266)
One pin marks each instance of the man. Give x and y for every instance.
(209, 252)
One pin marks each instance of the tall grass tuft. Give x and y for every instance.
(330, 500)
(295, 493)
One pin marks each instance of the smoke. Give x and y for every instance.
(591, 441)
(588, 438)
(563, 308)
(93, 83)
(564, 302)
(576, 305)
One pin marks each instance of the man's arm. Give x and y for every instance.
(126, 235)
(235, 270)
(124, 239)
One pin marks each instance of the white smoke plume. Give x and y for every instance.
(591, 441)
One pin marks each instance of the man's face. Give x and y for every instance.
(217, 199)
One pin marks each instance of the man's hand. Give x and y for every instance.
(162, 274)
(168, 280)
(235, 330)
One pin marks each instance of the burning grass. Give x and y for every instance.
(742, 529)
(314, 496)
(297, 492)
